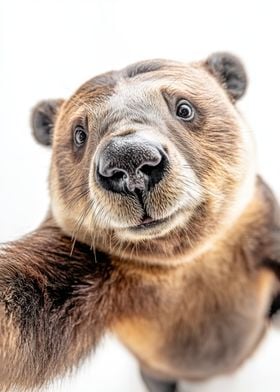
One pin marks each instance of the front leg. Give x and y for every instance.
(54, 306)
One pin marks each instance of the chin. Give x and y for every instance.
(152, 229)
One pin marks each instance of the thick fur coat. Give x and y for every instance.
(159, 230)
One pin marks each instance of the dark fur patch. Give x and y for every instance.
(230, 72)
(45, 292)
(157, 385)
(275, 306)
(142, 67)
(106, 80)
(43, 120)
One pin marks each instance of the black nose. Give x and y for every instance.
(130, 162)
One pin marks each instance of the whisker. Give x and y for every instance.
(77, 197)
(79, 224)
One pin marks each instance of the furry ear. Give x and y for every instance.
(43, 119)
(230, 72)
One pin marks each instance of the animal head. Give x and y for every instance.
(153, 161)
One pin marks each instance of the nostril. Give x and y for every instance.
(118, 175)
(155, 173)
(147, 169)
(131, 166)
(112, 174)
(112, 180)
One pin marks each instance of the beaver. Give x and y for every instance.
(159, 230)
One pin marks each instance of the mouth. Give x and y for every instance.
(149, 228)
(147, 223)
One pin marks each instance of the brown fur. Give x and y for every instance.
(190, 301)
(211, 143)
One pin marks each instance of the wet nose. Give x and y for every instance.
(130, 163)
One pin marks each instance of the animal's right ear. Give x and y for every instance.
(43, 119)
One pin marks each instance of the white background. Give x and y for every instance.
(48, 48)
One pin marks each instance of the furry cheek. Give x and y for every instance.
(181, 189)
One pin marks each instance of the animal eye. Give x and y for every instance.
(185, 111)
(80, 136)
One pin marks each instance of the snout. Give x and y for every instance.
(130, 163)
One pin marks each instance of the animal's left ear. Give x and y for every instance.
(230, 72)
(43, 119)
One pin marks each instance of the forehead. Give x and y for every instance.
(148, 74)
(144, 84)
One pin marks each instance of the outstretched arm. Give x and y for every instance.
(54, 306)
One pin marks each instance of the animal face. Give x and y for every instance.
(151, 161)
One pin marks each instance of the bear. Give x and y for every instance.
(159, 229)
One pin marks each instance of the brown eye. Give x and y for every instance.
(185, 111)
(80, 136)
